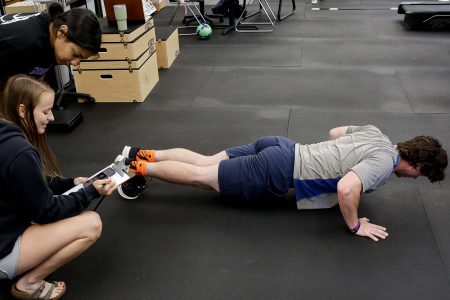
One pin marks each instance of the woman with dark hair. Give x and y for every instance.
(40, 229)
(32, 43)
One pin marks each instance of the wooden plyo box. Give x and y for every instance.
(119, 85)
(127, 68)
(167, 46)
(129, 44)
(21, 7)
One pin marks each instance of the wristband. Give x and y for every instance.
(355, 230)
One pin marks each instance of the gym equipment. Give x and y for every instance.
(127, 69)
(167, 46)
(2, 7)
(203, 31)
(187, 20)
(66, 120)
(426, 15)
(264, 7)
(288, 14)
(118, 170)
(195, 13)
(133, 188)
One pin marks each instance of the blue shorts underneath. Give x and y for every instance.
(259, 170)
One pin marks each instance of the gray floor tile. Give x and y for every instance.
(379, 52)
(308, 88)
(427, 89)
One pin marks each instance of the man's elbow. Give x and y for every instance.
(332, 134)
(347, 192)
(337, 132)
(344, 193)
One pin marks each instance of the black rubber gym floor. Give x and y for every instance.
(319, 69)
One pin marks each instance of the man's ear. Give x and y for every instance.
(62, 31)
(21, 110)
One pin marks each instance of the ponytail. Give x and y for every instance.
(55, 9)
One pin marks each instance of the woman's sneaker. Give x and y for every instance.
(132, 188)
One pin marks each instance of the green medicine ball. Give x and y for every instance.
(203, 31)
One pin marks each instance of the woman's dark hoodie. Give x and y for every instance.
(25, 195)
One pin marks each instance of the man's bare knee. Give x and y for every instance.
(203, 178)
(207, 177)
(215, 159)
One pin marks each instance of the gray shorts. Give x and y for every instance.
(9, 263)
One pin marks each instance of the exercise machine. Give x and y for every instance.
(426, 15)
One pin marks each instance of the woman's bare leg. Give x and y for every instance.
(45, 248)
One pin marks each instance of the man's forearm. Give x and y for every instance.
(348, 203)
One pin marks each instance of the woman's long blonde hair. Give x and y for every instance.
(23, 89)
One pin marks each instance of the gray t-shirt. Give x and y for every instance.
(364, 150)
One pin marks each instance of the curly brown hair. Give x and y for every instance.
(427, 153)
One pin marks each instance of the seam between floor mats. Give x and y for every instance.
(301, 52)
(289, 122)
(202, 85)
(404, 91)
(447, 268)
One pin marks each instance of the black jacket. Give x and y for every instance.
(25, 45)
(25, 196)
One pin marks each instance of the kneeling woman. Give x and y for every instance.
(40, 229)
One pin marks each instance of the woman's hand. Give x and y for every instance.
(105, 187)
(79, 180)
